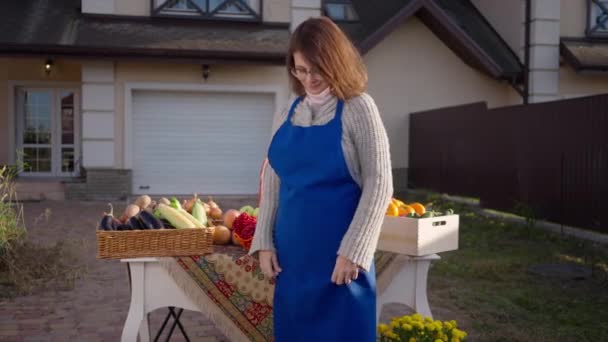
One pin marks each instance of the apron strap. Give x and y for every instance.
(293, 108)
(339, 107)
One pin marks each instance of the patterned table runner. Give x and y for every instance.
(230, 288)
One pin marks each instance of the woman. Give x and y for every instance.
(326, 189)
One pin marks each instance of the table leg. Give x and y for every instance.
(400, 289)
(144, 329)
(421, 302)
(162, 327)
(133, 324)
(409, 286)
(178, 323)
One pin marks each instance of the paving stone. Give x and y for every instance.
(96, 308)
(37, 339)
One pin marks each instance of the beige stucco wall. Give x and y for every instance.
(235, 75)
(132, 7)
(27, 71)
(573, 18)
(507, 18)
(277, 11)
(412, 70)
(572, 84)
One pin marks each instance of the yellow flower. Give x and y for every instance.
(391, 335)
(394, 323)
(430, 327)
(455, 339)
(449, 326)
(438, 325)
(454, 323)
(459, 333)
(438, 340)
(412, 339)
(417, 317)
(417, 325)
(382, 328)
(406, 327)
(428, 320)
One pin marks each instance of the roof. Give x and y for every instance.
(585, 54)
(36, 27)
(457, 23)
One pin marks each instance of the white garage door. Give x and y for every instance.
(204, 142)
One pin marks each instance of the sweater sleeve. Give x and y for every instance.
(263, 236)
(372, 148)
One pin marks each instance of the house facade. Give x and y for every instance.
(110, 98)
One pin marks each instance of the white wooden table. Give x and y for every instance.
(152, 288)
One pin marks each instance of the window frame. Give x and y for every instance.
(592, 31)
(339, 2)
(204, 13)
(56, 145)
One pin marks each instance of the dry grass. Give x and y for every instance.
(25, 266)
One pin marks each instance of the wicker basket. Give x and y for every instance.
(154, 243)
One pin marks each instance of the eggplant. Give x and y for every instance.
(108, 222)
(134, 223)
(167, 224)
(144, 223)
(150, 221)
(123, 226)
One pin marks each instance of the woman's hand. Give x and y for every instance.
(345, 271)
(269, 263)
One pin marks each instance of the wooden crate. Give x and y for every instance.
(419, 237)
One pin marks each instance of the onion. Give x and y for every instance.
(230, 216)
(215, 213)
(212, 204)
(189, 204)
(221, 235)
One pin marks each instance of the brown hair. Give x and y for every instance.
(328, 49)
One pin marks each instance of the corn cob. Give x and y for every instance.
(191, 218)
(198, 211)
(176, 218)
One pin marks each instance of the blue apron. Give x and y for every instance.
(317, 202)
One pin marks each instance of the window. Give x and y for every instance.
(210, 9)
(47, 131)
(340, 10)
(598, 18)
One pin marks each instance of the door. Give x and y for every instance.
(48, 131)
(204, 142)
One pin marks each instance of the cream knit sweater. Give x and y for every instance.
(366, 150)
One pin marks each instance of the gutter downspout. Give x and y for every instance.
(526, 92)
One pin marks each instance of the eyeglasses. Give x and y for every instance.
(301, 73)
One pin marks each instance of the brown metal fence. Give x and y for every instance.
(552, 157)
